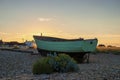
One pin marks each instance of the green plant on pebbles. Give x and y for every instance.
(41, 66)
(55, 63)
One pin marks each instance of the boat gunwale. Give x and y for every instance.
(47, 38)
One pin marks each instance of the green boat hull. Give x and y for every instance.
(68, 46)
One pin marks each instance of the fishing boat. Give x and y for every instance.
(65, 45)
(73, 47)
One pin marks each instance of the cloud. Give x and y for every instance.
(44, 19)
(62, 24)
(4, 33)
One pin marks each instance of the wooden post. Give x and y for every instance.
(88, 57)
(41, 34)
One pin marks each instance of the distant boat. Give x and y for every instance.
(53, 44)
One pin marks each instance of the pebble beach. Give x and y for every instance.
(18, 66)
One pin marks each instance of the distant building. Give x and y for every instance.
(13, 43)
(30, 44)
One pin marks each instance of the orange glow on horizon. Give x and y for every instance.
(106, 39)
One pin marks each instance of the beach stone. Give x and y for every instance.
(18, 66)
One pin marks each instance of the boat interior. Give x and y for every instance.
(47, 38)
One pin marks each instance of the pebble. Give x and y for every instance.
(18, 66)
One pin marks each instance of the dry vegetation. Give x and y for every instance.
(114, 50)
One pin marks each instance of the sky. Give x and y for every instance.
(21, 19)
